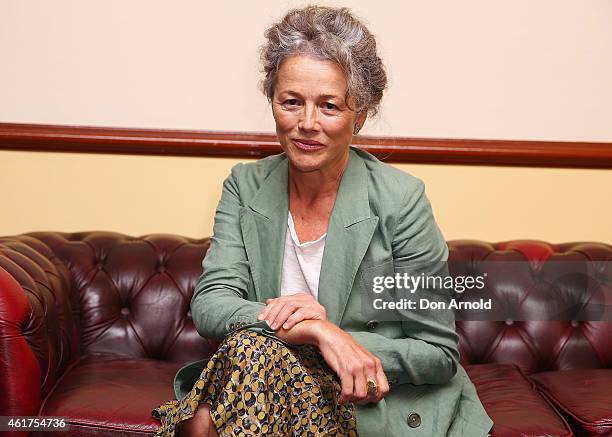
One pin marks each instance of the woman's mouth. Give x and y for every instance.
(307, 145)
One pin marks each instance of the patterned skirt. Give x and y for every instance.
(256, 385)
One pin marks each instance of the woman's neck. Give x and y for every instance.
(310, 187)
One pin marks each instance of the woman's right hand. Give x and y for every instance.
(287, 311)
(352, 362)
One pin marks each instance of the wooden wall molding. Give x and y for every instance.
(82, 139)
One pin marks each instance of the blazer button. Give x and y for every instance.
(231, 326)
(372, 324)
(414, 420)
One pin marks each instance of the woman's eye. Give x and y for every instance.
(291, 102)
(329, 106)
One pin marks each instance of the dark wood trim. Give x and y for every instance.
(81, 139)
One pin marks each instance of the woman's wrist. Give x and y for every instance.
(305, 332)
(318, 330)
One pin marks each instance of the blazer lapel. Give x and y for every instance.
(351, 226)
(264, 226)
(349, 233)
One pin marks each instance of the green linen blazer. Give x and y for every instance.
(381, 214)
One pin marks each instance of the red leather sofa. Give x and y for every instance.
(93, 326)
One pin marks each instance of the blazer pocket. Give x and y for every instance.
(375, 277)
(376, 285)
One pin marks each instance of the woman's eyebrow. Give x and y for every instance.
(291, 92)
(322, 96)
(329, 96)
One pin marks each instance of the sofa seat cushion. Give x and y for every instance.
(584, 395)
(111, 395)
(513, 403)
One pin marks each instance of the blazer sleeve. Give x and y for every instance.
(220, 302)
(428, 354)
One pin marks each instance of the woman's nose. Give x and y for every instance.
(309, 119)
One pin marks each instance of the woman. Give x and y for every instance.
(292, 233)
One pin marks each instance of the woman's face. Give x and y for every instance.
(314, 124)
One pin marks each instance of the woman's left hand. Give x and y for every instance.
(287, 311)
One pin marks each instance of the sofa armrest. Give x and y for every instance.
(19, 366)
(38, 334)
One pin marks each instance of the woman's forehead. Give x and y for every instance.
(305, 74)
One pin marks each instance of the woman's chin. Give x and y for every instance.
(304, 166)
(312, 163)
(305, 163)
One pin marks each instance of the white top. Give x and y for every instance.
(301, 263)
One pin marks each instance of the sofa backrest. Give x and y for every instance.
(130, 296)
(134, 292)
(536, 346)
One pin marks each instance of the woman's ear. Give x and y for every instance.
(360, 120)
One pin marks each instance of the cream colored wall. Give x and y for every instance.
(138, 195)
(512, 69)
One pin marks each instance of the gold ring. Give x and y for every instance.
(372, 387)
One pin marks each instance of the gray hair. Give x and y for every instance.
(331, 34)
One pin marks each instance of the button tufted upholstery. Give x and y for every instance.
(93, 326)
(67, 297)
(541, 345)
(558, 355)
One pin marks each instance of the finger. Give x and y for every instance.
(383, 383)
(360, 390)
(368, 372)
(346, 381)
(287, 310)
(273, 309)
(264, 312)
(278, 310)
(296, 318)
